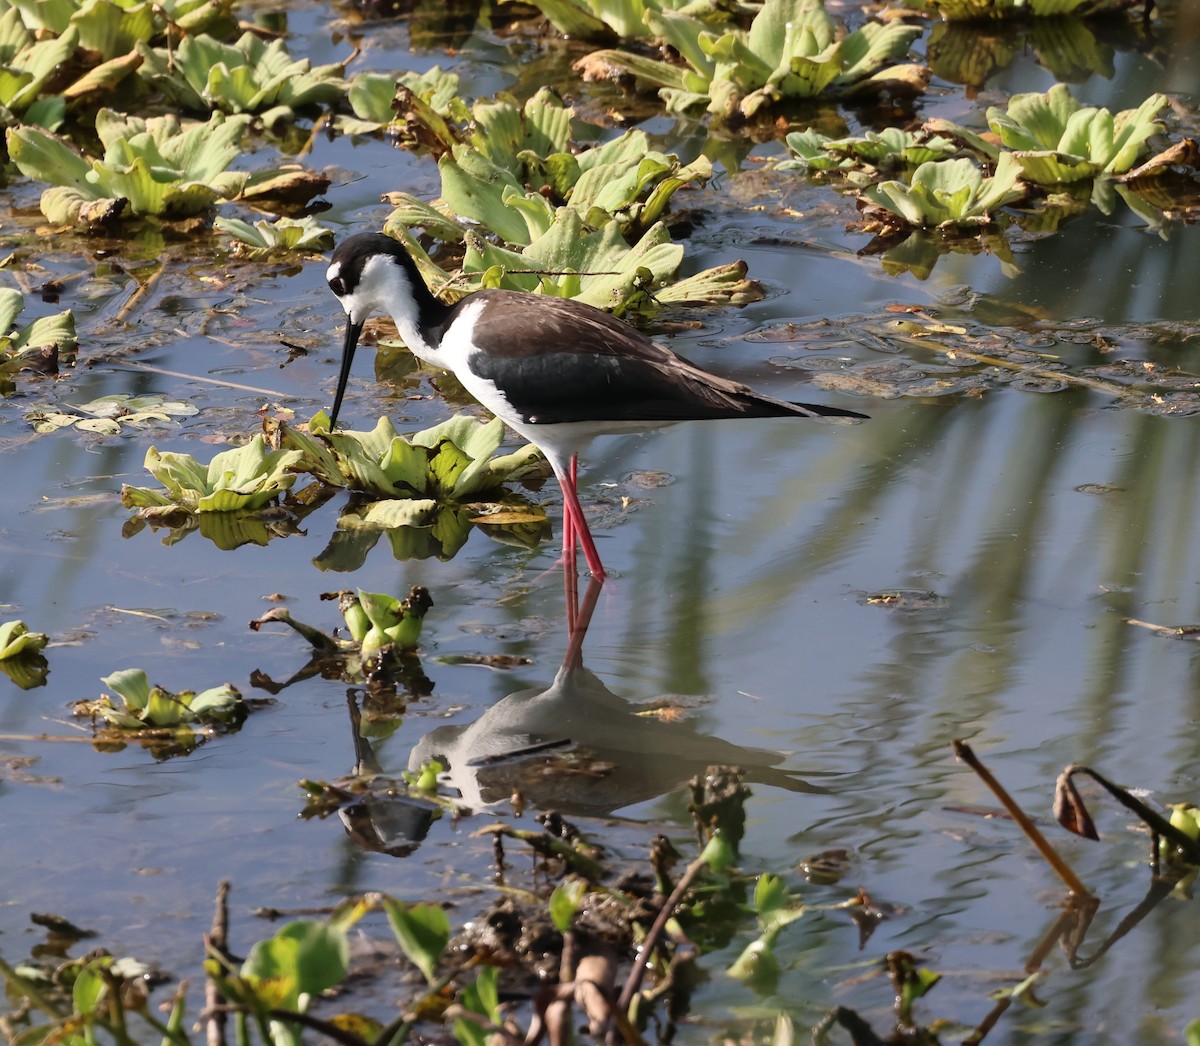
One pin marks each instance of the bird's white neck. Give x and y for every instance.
(387, 287)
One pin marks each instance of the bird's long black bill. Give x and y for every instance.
(353, 330)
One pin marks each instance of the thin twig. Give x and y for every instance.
(1074, 883)
(217, 941)
(149, 368)
(327, 1028)
(656, 931)
(143, 291)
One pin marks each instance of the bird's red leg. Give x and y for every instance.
(573, 512)
(568, 549)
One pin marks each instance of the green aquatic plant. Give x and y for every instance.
(757, 966)
(240, 480)
(42, 39)
(876, 150)
(110, 415)
(265, 238)
(26, 65)
(21, 657)
(598, 266)
(16, 641)
(426, 492)
(248, 76)
(792, 50)
(377, 622)
(516, 168)
(39, 346)
(973, 10)
(1056, 139)
(949, 193)
(111, 26)
(144, 706)
(151, 167)
(452, 461)
(426, 108)
(582, 223)
(623, 19)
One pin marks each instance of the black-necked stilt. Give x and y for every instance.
(558, 371)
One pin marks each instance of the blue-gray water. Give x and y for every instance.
(742, 565)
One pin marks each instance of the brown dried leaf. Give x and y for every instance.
(1069, 809)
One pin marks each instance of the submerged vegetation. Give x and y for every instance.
(622, 943)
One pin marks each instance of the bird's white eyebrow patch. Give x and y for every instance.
(332, 272)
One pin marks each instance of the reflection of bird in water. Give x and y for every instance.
(558, 371)
(617, 757)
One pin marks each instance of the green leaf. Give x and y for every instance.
(391, 514)
(565, 902)
(249, 75)
(370, 96)
(132, 685)
(42, 156)
(757, 967)
(17, 641)
(217, 702)
(278, 236)
(57, 331)
(90, 986)
(481, 996)
(950, 192)
(473, 188)
(303, 959)
(422, 931)
(1056, 139)
(11, 304)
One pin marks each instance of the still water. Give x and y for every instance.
(1024, 528)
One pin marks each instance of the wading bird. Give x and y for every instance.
(557, 371)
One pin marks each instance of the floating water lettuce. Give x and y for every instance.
(26, 64)
(154, 166)
(424, 108)
(17, 641)
(265, 238)
(38, 346)
(249, 76)
(561, 212)
(426, 492)
(21, 656)
(241, 480)
(143, 705)
(516, 168)
(377, 622)
(110, 414)
(624, 19)
(598, 266)
(452, 461)
(969, 10)
(793, 50)
(949, 193)
(164, 721)
(883, 150)
(39, 40)
(1056, 138)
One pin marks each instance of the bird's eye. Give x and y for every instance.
(338, 286)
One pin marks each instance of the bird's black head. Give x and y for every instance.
(345, 271)
(357, 275)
